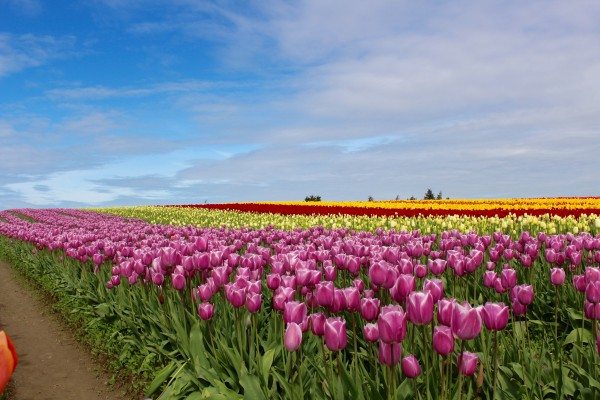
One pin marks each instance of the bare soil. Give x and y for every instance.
(52, 364)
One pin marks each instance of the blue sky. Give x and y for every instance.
(108, 102)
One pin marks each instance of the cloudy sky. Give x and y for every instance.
(149, 102)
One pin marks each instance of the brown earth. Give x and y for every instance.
(52, 364)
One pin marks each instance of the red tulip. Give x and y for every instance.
(335, 333)
(392, 324)
(410, 366)
(292, 338)
(443, 340)
(419, 308)
(495, 316)
(467, 363)
(8, 359)
(466, 321)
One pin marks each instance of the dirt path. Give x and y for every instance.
(52, 364)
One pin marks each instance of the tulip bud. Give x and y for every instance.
(402, 287)
(369, 308)
(579, 283)
(443, 340)
(435, 287)
(294, 311)
(445, 310)
(592, 310)
(392, 324)
(466, 321)
(292, 338)
(253, 302)
(410, 366)
(509, 277)
(592, 292)
(317, 323)
(489, 278)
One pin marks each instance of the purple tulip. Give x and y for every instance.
(437, 266)
(509, 277)
(557, 276)
(253, 302)
(178, 281)
(158, 278)
(410, 366)
(371, 332)
(317, 323)
(292, 338)
(419, 308)
(435, 287)
(324, 292)
(206, 311)
(402, 287)
(389, 353)
(443, 340)
(519, 309)
(523, 294)
(294, 311)
(466, 321)
(392, 324)
(445, 311)
(592, 310)
(335, 333)
(489, 279)
(592, 274)
(369, 308)
(352, 296)
(378, 273)
(579, 283)
(273, 281)
(495, 316)
(592, 291)
(467, 363)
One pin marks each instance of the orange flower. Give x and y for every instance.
(8, 359)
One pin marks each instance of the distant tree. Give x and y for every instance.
(370, 198)
(397, 197)
(412, 198)
(439, 196)
(312, 197)
(429, 195)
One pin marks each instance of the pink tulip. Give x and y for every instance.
(253, 302)
(273, 281)
(335, 333)
(435, 287)
(419, 308)
(509, 277)
(389, 353)
(443, 340)
(158, 279)
(371, 332)
(466, 321)
(420, 271)
(369, 308)
(317, 323)
(523, 294)
(592, 274)
(339, 301)
(292, 338)
(206, 311)
(410, 366)
(557, 276)
(519, 309)
(437, 266)
(402, 287)
(592, 292)
(294, 311)
(489, 278)
(178, 282)
(495, 316)
(498, 287)
(324, 293)
(467, 363)
(359, 284)
(592, 310)
(445, 311)
(352, 296)
(579, 283)
(392, 324)
(378, 273)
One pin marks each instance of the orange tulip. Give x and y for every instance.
(8, 359)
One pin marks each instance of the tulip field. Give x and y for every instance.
(247, 302)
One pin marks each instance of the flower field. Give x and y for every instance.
(220, 304)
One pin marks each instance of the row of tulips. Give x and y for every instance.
(512, 225)
(340, 313)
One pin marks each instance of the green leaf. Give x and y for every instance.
(265, 364)
(579, 334)
(251, 386)
(160, 378)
